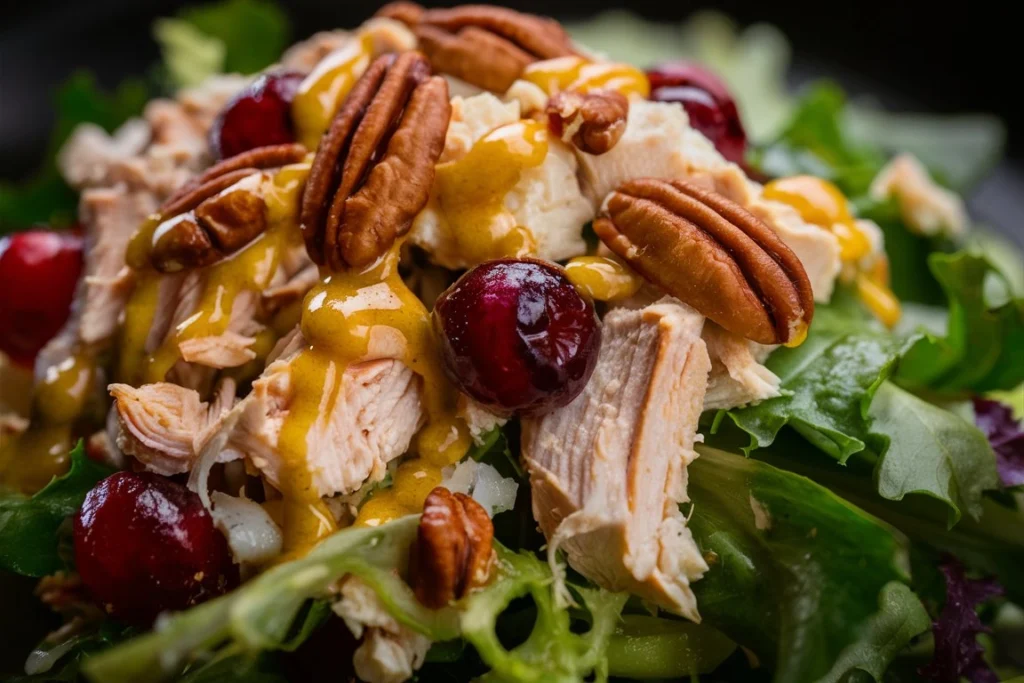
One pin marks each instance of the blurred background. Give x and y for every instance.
(909, 56)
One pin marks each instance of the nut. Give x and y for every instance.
(486, 46)
(202, 223)
(712, 254)
(375, 164)
(594, 121)
(453, 551)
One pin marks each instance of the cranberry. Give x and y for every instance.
(517, 335)
(712, 110)
(145, 544)
(39, 270)
(260, 115)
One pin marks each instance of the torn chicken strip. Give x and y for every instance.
(85, 159)
(608, 471)
(737, 377)
(373, 421)
(660, 143)
(203, 103)
(546, 199)
(926, 207)
(164, 426)
(389, 652)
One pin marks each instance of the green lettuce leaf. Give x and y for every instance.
(261, 615)
(814, 586)
(828, 382)
(981, 350)
(189, 55)
(930, 451)
(46, 198)
(253, 33)
(28, 526)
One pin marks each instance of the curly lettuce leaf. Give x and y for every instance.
(828, 382)
(28, 526)
(253, 33)
(811, 584)
(981, 350)
(261, 615)
(46, 198)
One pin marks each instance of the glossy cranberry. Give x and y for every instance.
(145, 544)
(39, 270)
(710, 106)
(517, 335)
(259, 115)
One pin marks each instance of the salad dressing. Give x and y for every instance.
(321, 93)
(603, 278)
(578, 74)
(469, 193)
(821, 203)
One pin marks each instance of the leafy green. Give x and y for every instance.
(985, 331)
(189, 55)
(261, 614)
(253, 32)
(815, 141)
(931, 451)
(648, 647)
(46, 198)
(808, 582)
(828, 382)
(28, 526)
(62, 661)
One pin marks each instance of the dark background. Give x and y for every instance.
(949, 57)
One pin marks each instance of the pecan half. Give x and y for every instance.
(483, 45)
(712, 254)
(594, 121)
(374, 167)
(453, 550)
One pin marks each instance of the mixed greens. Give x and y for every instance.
(864, 525)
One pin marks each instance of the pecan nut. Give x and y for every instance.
(486, 46)
(594, 121)
(712, 254)
(203, 222)
(374, 167)
(453, 551)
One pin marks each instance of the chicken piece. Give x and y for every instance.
(926, 207)
(660, 143)
(85, 159)
(374, 418)
(164, 426)
(608, 471)
(205, 101)
(478, 418)
(546, 199)
(178, 137)
(389, 652)
(737, 377)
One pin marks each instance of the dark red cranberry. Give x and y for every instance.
(710, 106)
(517, 335)
(39, 270)
(260, 115)
(145, 544)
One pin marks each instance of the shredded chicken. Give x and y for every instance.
(389, 652)
(926, 207)
(478, 418)
(737, 377)
(608, 471)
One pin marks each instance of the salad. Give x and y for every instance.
(462, 346)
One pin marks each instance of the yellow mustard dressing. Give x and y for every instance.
(325, 88)
(579, 74)
(603, 278)
(821, 203)
(469, 193)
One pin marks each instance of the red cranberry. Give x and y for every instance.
(145, 544)
(710, 106)
(39, 270)
(517, 335)
(260, 115)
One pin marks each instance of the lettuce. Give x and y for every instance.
(28, 526)
(261, 615)
(1005, 434)
(811, 584)
(985, 332)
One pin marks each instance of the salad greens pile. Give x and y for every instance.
(864, 525)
